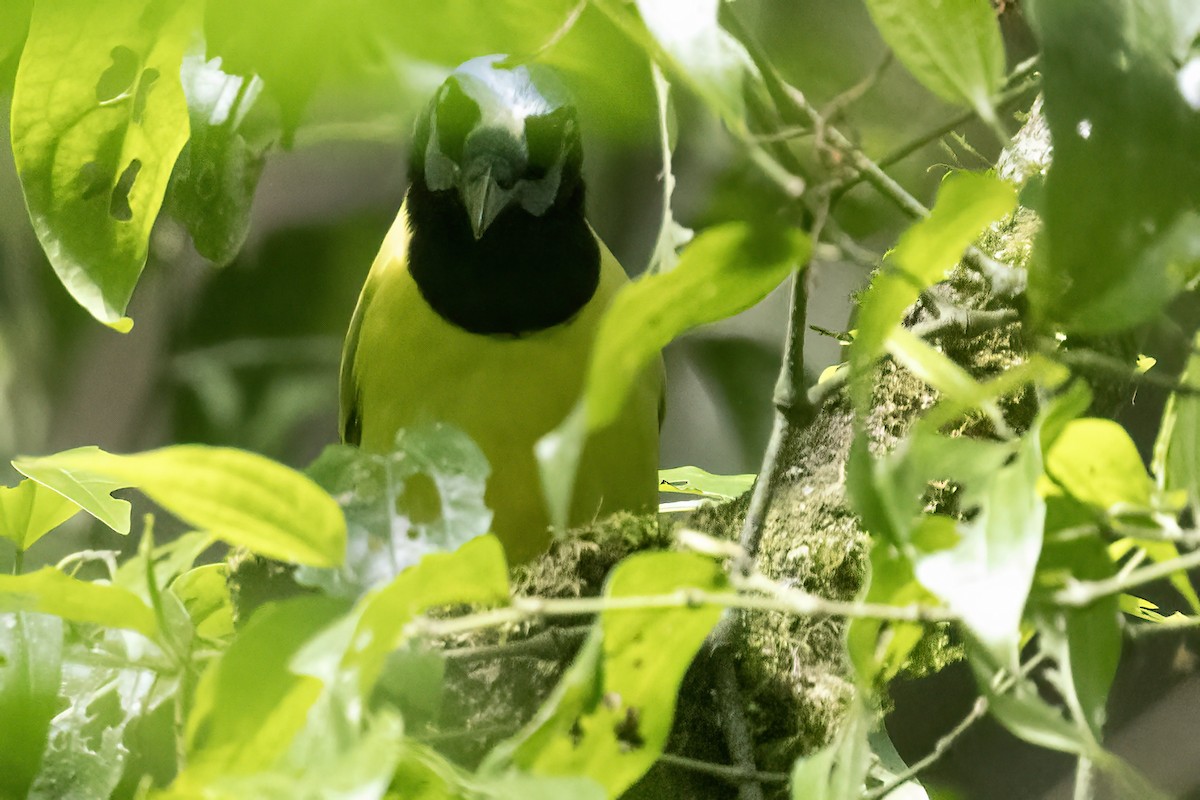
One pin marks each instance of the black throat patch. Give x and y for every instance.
(526, 274)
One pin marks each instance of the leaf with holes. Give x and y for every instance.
(426, 496)
(95, 143)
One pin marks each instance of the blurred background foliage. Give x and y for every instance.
(245, 353)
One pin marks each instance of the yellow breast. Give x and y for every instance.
(412, 366)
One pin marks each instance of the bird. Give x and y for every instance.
(483, 303)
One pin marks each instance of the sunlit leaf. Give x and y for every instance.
(610, 717)
(426, 496)
(693, 480)
(476, 573)
(1096, 462)
(953, 47)
(986, 575)
(95, 144)
(49, 591)
(204, 592)
(725, 270)
(30, 674)
(701, 54)
(249, 704)
(239, 497)
(1119, 241)
(966, 204)
(28, 511)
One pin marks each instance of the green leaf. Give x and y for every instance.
(30, 674)
(1084, 642)
(987, 575)
(1121, 231)
(610, 717)
(1176, 463)
(204, 593)
(693, 480)
(170, 561)
(879, 650)
(242, 498)
(966, 204)
(14, 25)
(426, 496)
(28, 511)
(212, 188)
(95, 144)
(699, 52)
(1026, 715)
(726, 269)
(1096, 462)
(475, 574)
(49, 591)
(90, 491)
(838, 770)
(104, 689)
(249, 705)
(953, 47)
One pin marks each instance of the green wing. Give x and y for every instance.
(350, 404)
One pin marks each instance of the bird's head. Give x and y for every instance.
(501, 137)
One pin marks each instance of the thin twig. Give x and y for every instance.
(977, 712)
(792, 408)
(1082, 593)
(734, 775)
(782, 599)
(965, 321)
(552, 643)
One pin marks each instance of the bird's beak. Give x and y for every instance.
(484, 201)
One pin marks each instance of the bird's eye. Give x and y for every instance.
(456, 116)
(544, 135)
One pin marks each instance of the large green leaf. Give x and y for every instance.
(239, 497)
(51, 592)
(953, 47)
(1122, 232)
(725, 270)
(966, 204)
(95, 143)
(610, 717)
(30, 674)
(29, 510)
(1096, 462)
